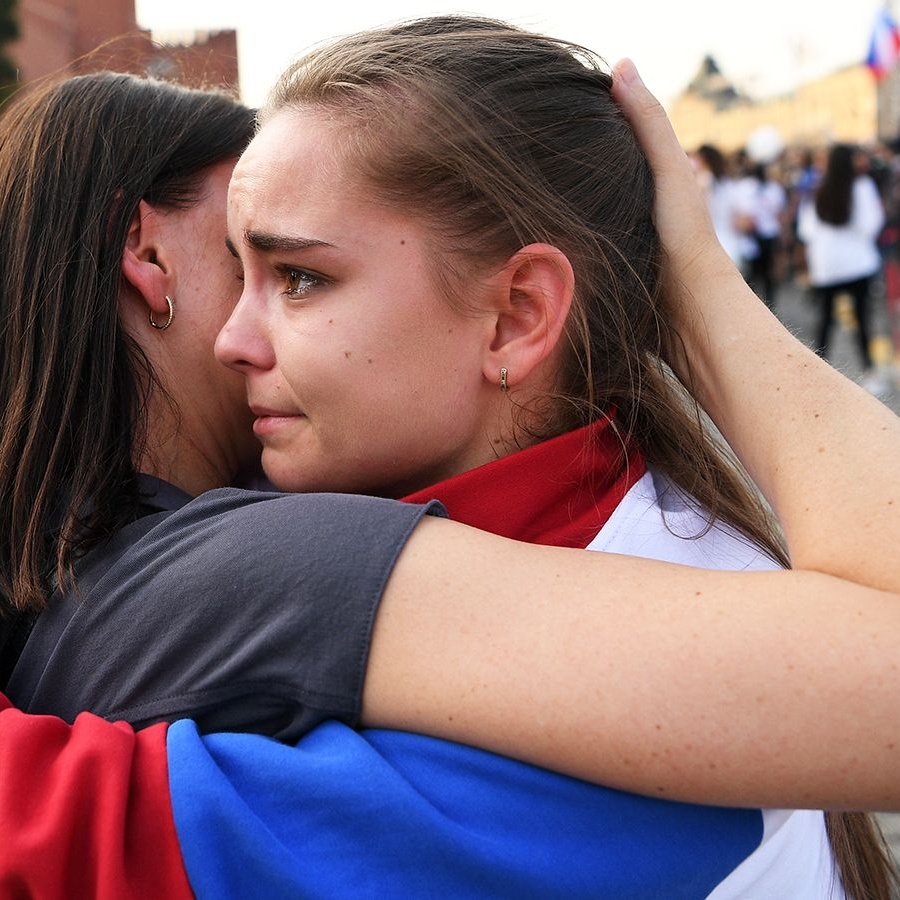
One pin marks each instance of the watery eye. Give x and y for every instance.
(298, 282)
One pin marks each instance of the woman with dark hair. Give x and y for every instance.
(840, 230)
(86, 394)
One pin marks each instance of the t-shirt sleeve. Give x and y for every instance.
(244, 611)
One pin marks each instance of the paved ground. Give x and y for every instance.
(798, 312)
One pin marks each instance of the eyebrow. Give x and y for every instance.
(284, 243)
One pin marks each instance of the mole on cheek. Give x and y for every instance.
(347, 354)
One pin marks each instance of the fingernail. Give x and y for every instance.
(629, 74)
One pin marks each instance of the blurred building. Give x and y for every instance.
(889, 106)
(86, 35)
(842, 106)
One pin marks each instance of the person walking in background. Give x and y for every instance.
(804, 175)
(720, 191)
(840, 228)
(762, 201)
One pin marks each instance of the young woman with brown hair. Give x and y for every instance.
(474, 233)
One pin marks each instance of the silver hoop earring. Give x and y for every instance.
(504, 387)
(168, 321)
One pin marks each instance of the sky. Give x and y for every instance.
(763, 46)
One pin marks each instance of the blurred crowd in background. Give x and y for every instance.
(824, 221)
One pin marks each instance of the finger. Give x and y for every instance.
(648, 119)
(682, 213)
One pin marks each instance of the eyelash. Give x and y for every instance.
(290, 272)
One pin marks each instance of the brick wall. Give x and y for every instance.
(87, 35)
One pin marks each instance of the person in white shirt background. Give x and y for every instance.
(763, 201)
(721, 192)
(840, 228)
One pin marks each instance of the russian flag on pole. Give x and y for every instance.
(884, 46)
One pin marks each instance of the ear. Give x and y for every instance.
(144, 264)
(535, 291)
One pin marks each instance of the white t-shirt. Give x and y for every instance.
(840, 253)
(723, 199)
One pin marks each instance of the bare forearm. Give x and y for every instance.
(772, 689)
(824, 451)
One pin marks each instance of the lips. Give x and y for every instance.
(268, 422)
(265, 411)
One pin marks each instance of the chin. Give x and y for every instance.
(285, 477)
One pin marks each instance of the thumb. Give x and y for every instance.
(644, 112)
(681, 210)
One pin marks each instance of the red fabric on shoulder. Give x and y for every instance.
(559, 492)
(85, 810)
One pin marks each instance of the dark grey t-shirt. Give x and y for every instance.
(246, 611)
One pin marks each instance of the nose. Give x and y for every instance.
(243, 343)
